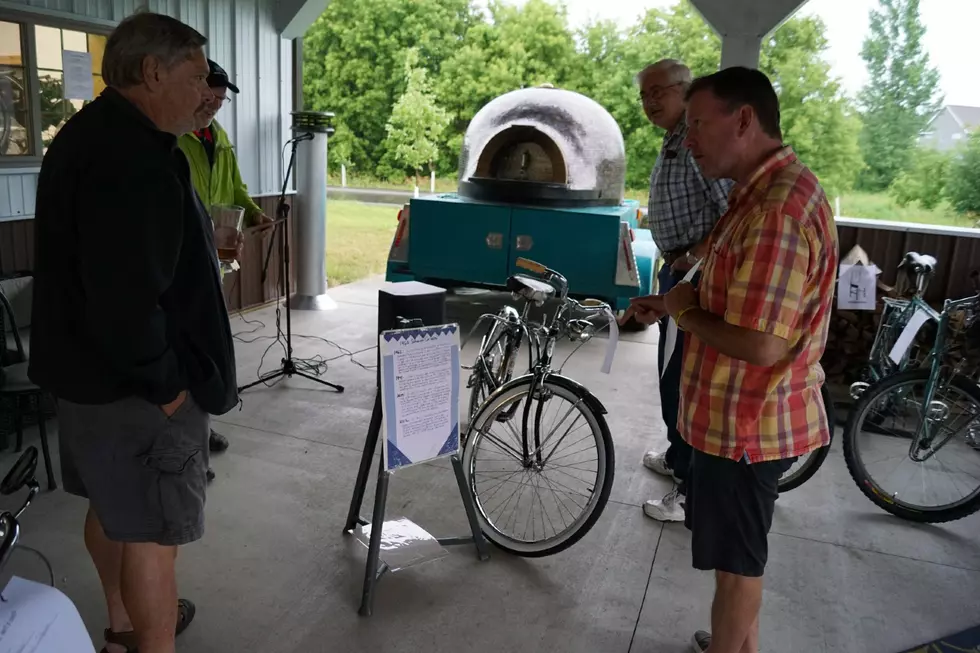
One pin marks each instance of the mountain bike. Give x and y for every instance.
(540, 433)
(896, 315)
(928, 420)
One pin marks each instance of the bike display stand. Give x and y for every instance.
(401, 305)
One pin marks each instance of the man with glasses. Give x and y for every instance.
(215, 173)
(684, 207)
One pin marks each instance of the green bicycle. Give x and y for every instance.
(911, 441)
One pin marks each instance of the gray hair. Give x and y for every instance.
(677, 72)
(142, 35)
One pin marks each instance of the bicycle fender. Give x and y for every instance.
(565, 382)
(580, 391)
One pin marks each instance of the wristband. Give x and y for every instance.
(681, 314)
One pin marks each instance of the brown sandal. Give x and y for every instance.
(127, 639)
(185, 615)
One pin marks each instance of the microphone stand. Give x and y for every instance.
(288, 368)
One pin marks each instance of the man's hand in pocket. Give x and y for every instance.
(173, 406)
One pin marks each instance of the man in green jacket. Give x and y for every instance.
(215, 173)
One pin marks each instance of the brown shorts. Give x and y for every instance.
(144, 473)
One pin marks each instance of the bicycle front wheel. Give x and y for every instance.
(915, 459)
(540, 481)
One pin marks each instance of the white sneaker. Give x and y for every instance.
(700, 641)
(670, 508)
(658, 462)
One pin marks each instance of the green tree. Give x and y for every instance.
(816, 118)
(608, 66)
(901, 95)
(353, 56)
(964, 171)
(342, 144)
(417, 123)
(518, 46)
(924, 179)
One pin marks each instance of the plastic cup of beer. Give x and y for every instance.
(228, 220)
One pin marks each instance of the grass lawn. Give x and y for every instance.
(880, 206)
(358, 238)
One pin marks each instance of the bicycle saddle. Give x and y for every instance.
(919, 262)
(531, 289)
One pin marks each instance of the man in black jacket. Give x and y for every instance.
(130, 328)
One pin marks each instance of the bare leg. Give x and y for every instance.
(751, 644)
(107, 556)
(149, 588)
(735, 613)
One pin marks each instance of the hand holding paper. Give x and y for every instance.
(681, 297)
(646, 310)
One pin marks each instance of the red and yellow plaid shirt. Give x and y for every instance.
(771, 266)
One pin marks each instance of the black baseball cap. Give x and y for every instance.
(218, 78)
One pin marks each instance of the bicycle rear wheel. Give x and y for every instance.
(540, 503)
(807, 465)
(934, 480)
(490, 370)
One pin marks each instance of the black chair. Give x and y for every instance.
(22, 393)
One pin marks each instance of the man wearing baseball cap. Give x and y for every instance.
(215, 173)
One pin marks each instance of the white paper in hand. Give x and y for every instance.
(613, 342)
(670, 341)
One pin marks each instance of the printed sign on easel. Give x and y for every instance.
(420, 394)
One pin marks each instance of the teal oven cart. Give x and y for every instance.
(451, 241)
(541, 176)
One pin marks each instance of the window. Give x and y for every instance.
(33, 106)
(51, 44)
(15, 138)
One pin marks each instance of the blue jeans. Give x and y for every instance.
(678, 455)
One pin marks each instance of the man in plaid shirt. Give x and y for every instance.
(757, 326)
(684, 207)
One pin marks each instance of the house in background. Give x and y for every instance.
(950, 127)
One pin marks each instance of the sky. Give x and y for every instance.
(951, 37)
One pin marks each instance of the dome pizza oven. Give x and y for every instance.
(543, 146)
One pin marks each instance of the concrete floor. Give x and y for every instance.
(274, 573)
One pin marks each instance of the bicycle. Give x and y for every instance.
(918, 271)
(921, 431)
(496, 401)
(896, 315)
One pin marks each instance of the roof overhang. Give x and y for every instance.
(294, 17)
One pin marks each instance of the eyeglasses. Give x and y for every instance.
(221, 100)
(656, 92)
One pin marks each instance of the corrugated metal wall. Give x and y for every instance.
(243, 39)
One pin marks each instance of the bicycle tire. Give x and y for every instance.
(593, 411)
(818, 456)
(864, 480)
